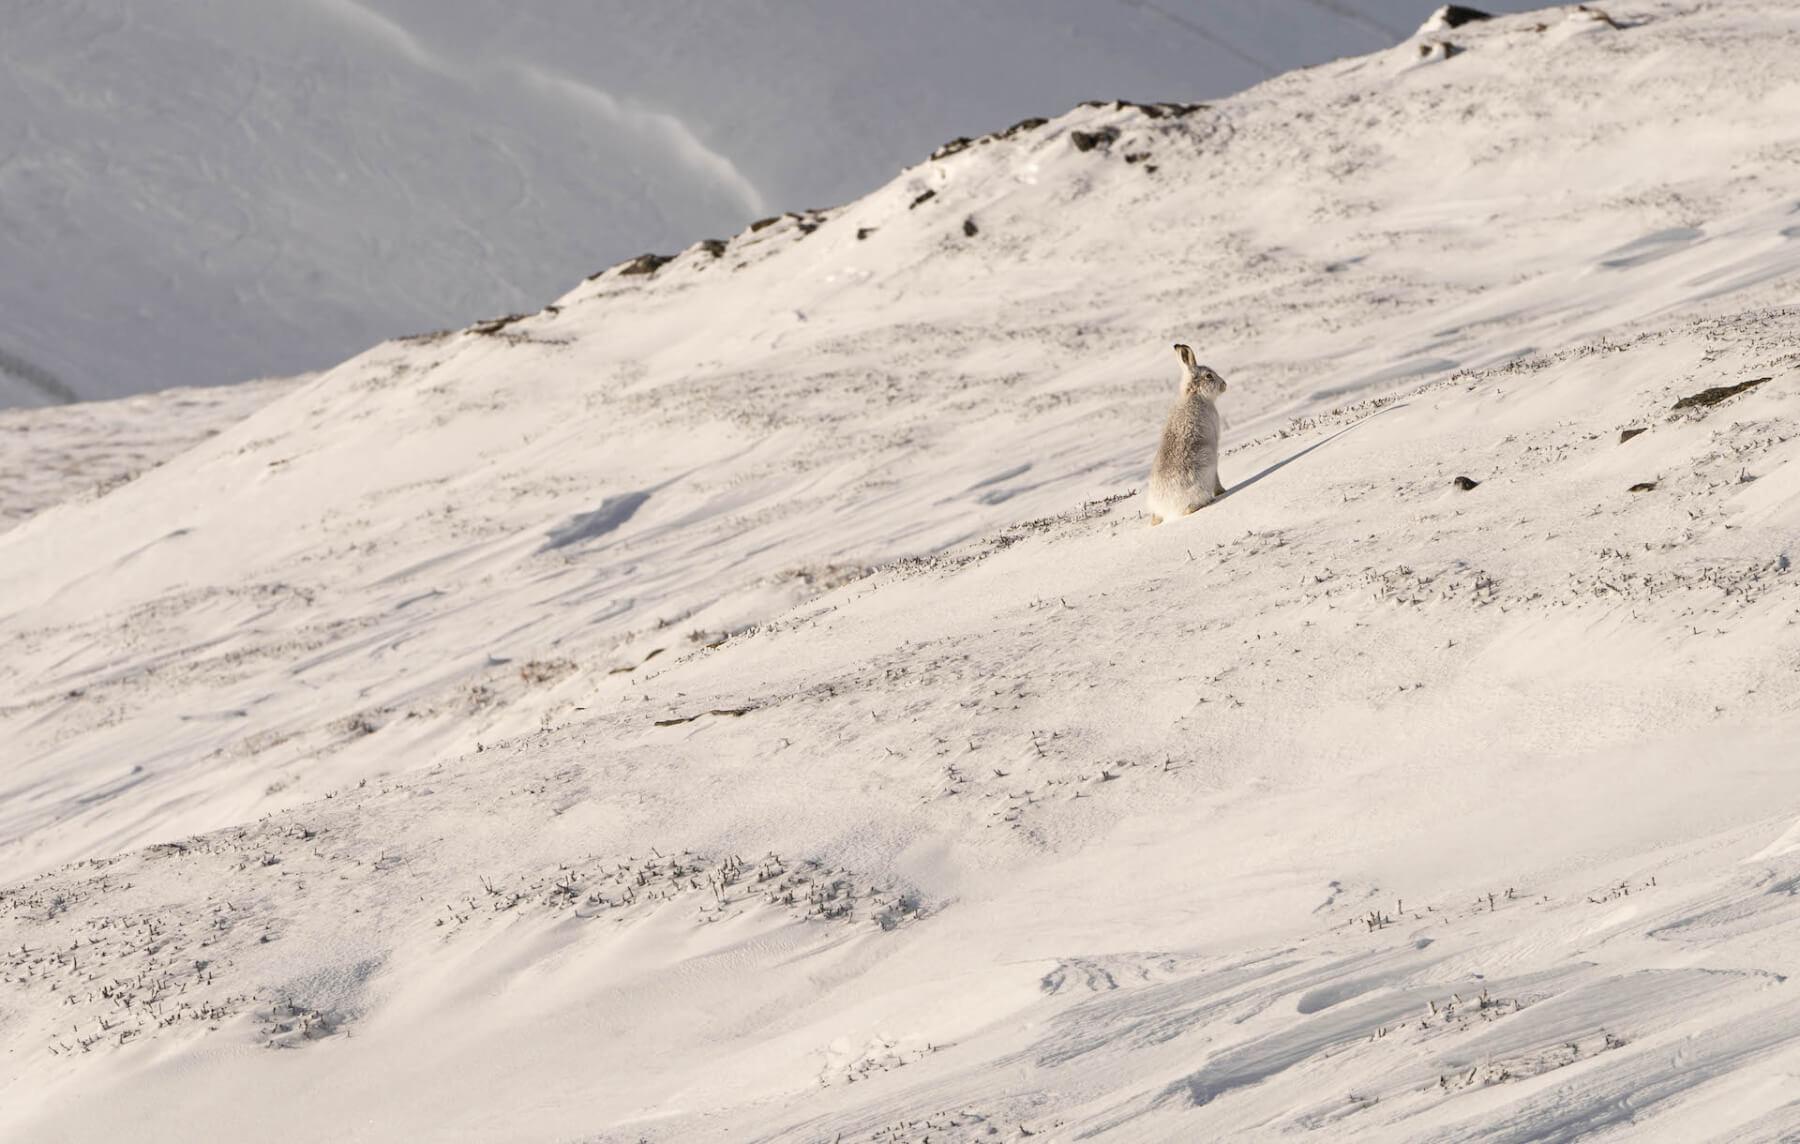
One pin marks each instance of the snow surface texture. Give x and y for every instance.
(202, 191)
(48, 456)
(744, 701)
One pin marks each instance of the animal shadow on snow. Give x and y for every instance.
(1286, 461)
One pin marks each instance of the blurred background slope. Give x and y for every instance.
(198, 192)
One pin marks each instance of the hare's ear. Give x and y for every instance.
(1186, 355)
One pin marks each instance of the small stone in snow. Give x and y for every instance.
(1465, 483)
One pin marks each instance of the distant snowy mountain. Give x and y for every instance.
(203, 191)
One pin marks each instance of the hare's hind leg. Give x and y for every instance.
(1218, 487)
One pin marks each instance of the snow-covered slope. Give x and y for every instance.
(203, 191)
(52, 455)
(743, 701)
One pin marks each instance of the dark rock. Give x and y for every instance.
(495, 325)
(924, 198)
(1718, 393)
(863, 232)
(725, 712)
(1642, 487)
(713, 246)
(1456, 15)
(645, 264)
(1596, 14)
(1137, 156)
(969, 227)
(1021, 126)
(1149, 110)
(1088, 140)
(1465, 483)
(1628, 434)
(960, 143)
(1442, 49)
(763, 223)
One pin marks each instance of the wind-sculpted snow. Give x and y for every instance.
(743, 699)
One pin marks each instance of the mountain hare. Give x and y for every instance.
(1185, 475)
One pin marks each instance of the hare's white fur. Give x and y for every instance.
(1185, 475)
